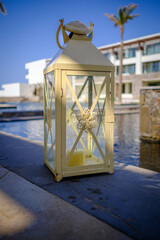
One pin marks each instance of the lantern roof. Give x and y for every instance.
(79, 54)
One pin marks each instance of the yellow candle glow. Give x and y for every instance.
(77, 158)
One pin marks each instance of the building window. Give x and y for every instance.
(152, 49)
(123, 88)
(127, 69)
(154, 84)
(151, 67)
(118, 55)
(127, 88)
(117, 70)
(107, 55)
(130, 88)
(132, 52)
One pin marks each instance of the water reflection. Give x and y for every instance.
(128, 147)
(24, 106)
(150, 156)
(126, 140)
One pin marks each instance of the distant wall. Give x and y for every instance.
(10, 90)
(26, 90)
(12, 99)
(16, 90)
(150, 114)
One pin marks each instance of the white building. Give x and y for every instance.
(141, 64)
(35, 71)
(34, 77)
(16, 90)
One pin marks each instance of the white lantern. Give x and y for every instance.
(78, 107)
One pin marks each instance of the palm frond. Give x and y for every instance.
(2, 8)
(130, 17)
(130, 8)
(123, 15)
(122, 18)
(134, 15)
(116, 18)
(112, 17)
(116, 24)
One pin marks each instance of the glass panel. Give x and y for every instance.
(151, 67)
(130, 87)
(129, 68)
(132, 52)
(85, 141)
(50, 118)
(127, 88)
(107, 55)
(118, 54)
(123, 87)
(117, 70)
(153, 49)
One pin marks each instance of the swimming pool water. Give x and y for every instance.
(127, 146)
(24, 106)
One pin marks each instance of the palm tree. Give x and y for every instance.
(124, 14)
(2, 8)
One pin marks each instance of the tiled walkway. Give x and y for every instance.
(29, 212)
(129, 200)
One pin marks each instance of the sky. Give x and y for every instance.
(28, 31)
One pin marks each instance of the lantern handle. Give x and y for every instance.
(91, 34)
(65, 36)
(57, 34)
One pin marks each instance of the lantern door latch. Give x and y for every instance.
(61, 92)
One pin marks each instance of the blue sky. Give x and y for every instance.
(28, 31)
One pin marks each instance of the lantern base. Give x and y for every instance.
(93, 160)
(87, 171)
(93, 165)
(58, 177)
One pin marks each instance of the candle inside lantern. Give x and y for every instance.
(77, 158)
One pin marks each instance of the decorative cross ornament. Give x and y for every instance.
(86, 120)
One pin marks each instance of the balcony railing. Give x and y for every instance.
(126, 56)
(150, 53)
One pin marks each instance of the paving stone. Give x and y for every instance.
(29, 212)
(3, 171)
